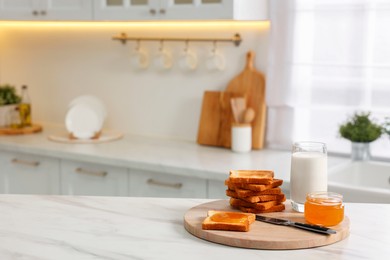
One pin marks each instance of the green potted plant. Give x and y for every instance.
(361, 131)
(386, 126)
(9, 100)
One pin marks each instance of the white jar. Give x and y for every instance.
(241, 138)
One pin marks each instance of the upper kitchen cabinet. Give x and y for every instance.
(130, 10)
(46, 10)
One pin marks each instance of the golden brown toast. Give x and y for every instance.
(251, 176)
(237, 203)
(276, 208)
(247, 193)
(259, 198)
(264, 198)
(254, 187)
(228, 220)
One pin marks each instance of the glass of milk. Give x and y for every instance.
(309, 173)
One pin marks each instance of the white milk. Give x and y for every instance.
(308, 174)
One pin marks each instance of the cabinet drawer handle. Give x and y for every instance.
(90, 172)
(169, 185)
(29, 163)
(152, 11)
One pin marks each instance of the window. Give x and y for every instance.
(329, 58)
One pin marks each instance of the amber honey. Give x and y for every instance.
(229, 217)
(324, 208)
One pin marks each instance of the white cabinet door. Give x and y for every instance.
(44, 10)
(28, 174)
(196, 9)
(127, 10)
(180, 10)
(153, 184)
(80, 178)
(67, 10)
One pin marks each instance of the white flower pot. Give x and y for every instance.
(6, 114)
(360, 151)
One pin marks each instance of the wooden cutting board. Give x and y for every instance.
(21, 131)
(216, 119)
(261, 235)
(250, 83)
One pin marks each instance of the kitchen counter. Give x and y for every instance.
(180, 157)
(69, 227)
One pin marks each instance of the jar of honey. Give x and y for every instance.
(324, 208)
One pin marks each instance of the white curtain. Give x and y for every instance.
(328, 59)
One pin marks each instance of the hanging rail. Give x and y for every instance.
(123, 37)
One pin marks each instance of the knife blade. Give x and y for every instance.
(285, 222)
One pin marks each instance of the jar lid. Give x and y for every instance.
(324, 197)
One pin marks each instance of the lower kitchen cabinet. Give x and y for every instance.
(154, 184)
(81, 178)
(216, 189)
(22, 173)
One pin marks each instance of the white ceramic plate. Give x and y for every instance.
(83, 121)
(91, 101)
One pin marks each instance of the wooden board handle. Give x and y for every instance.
(250, 56)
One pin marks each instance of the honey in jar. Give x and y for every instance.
(324, 208)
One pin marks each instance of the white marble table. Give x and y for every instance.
(65, 227)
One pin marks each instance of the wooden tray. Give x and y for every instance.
(102, 138)
(21, 131)
(261, 235)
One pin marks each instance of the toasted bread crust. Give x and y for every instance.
(251, 176)
(210, 225)
(263, 198)
(243, 226)
(254, 187)
(276, 208)
(259, 205)
(248, 193)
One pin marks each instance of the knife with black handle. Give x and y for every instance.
(308, 227)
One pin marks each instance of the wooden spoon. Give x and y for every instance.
(249, 115)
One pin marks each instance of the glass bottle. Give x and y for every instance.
(25, 108)
(15, 118)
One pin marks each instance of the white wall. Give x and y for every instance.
(60, 62)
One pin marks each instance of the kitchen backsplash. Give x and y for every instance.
(60, 62)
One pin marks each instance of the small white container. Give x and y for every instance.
(6, 115)
(241, 138)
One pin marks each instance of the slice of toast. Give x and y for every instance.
(237, 203)
(259, 198)
(247, 193)
(228, 220)
(254, 187)
(276, 208)
(251, 176)
(264, 198)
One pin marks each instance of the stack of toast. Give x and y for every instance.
(255, 191)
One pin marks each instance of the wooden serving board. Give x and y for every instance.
(103, 137)
(261, 235)
(250, 83)
(216, 119)
(21, 131)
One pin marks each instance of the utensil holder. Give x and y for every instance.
(241, 138)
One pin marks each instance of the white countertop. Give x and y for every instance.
(69, 227)
(185, 158)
